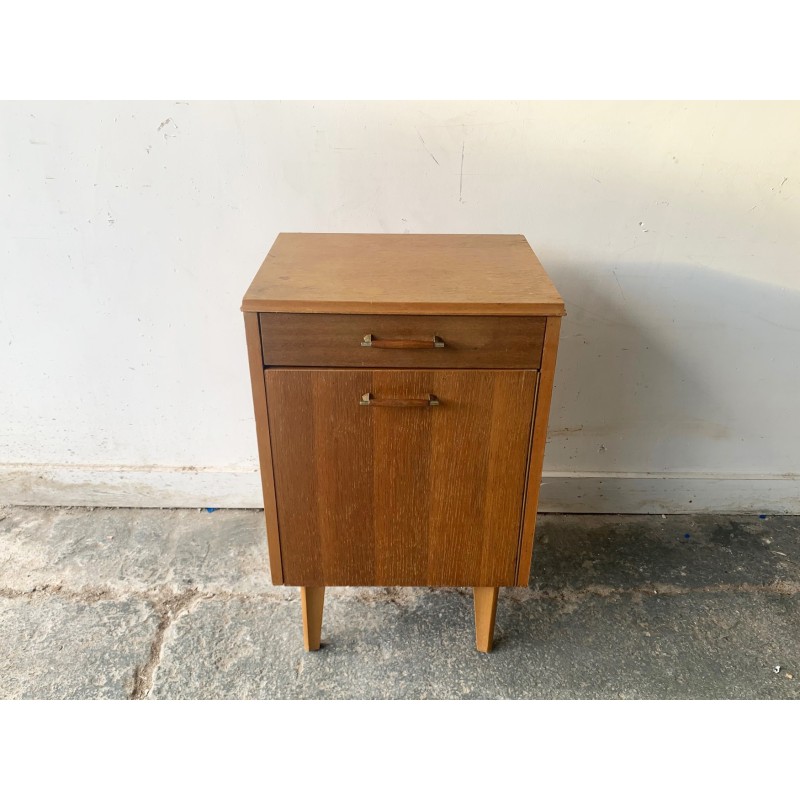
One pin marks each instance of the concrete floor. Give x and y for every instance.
(130, 603)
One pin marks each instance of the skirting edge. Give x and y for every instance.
(576, 493)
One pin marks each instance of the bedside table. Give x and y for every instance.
(401, 386)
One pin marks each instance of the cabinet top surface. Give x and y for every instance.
(363, 273)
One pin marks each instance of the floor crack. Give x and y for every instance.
(90, 594)
(170, 607)
(95, 594)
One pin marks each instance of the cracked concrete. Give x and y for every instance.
(170, 609)
(147, 603)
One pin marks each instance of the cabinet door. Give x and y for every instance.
(372, 491)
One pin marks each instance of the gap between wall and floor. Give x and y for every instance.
(565, 492)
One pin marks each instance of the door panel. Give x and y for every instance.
(383, 495)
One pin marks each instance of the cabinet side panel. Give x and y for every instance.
(253, 334)
(541, 414)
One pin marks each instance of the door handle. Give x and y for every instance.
(402, 344)
(399, 402)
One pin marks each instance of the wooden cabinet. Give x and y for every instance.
(401, 387)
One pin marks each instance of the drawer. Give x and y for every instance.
(373, 340)
(399, 477)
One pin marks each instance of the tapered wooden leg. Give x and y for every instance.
(485, 612)
(312, 599)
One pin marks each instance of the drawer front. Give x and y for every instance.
(410, 478)
(367, 340)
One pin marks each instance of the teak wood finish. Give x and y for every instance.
(401, 387)
(312, 599)
(424, 495)
(485, 600)
(255, 361)
(373, 340)
(381, 273)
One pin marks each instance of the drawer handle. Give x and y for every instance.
(402, 344)
(399, 402)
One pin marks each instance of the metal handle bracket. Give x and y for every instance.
(399, 402)
(402, 344)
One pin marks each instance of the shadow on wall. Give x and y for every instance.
(675, 368)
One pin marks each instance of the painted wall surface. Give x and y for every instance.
(129, 232)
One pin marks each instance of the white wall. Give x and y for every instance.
(129, 232)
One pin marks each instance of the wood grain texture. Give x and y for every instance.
(312, 602)
(399, 496)
(402, 274)
(544, 395)
(334, 340)
(253, 336)
(485, 600)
